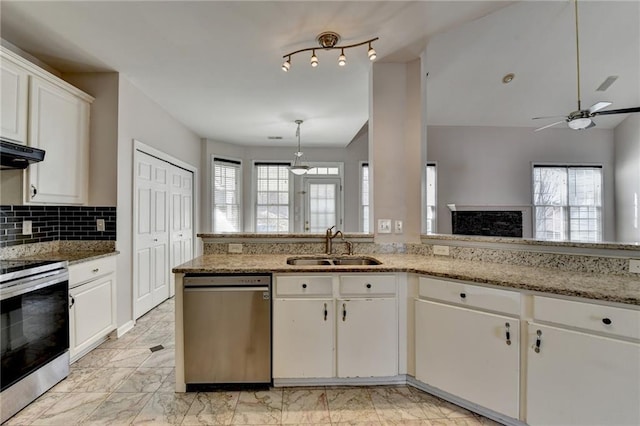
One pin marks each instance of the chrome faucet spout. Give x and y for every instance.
(328, 240)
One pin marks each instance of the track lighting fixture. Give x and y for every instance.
(329, 41)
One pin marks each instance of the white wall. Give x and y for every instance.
(491, 166)
(350, 156)
(142, 119)
(103, 134)
(627, 179)
(395, 147)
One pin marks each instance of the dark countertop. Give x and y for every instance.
(612, 288)
(73, 257)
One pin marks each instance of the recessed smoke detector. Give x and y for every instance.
(508, 78)
(274, 138)
(606, 83)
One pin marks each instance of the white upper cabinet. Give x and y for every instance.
(14, 87)
(58, 124)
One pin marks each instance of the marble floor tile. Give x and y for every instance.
(212, 408)
(162, 358)
(129, 358)
(35, 409)
(144, 380)
(458, 421)
(351, 405)
(396, 403)
(104, 379)
(118, 409)
(304, 406)
(72, 409)
(75, 378)
(258, 408)
(96, 358)
(165, 409)
(169, 384)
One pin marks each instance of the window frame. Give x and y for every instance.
(361, 206)
(435, 199)
(566, 208)
(254, 192)
(239, 188)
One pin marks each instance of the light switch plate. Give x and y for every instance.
(235, 248)
(397, 227)
(634, 266)
(100, 225)
(384, 226)
(26, 227)
(441, 250)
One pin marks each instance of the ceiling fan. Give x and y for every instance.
(581, 119)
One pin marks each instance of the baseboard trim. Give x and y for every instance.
(500, 418)
(124, 328)
(335, 381)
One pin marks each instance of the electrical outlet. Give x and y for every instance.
(397, 227)
(100, 225)
(441, 250)
(384, 226)
(634, 266)
(235, 248)
(27, 227)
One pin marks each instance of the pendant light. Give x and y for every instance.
(299, 166)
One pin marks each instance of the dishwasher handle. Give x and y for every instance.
(225, 289)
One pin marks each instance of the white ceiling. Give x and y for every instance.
(215, 65)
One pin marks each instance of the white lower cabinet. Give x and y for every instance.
(331, 325)
(92, 305)
(367, 337)
(467, 353)
(580, 378)
(303, 335)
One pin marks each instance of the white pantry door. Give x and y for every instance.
(151, 257)
(181, 220)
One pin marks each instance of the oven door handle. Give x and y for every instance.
(34, 283)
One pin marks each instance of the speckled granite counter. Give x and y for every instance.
(612, 288)
(72, 257)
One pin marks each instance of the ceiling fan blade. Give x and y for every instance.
(598, 106)
(617, 111)
(548, 125)
(551, 116)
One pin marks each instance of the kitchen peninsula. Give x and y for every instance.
(491, 336)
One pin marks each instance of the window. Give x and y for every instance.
(430, 199)
(226, 195)
(568, 202)
(364, 197)
(272, 197)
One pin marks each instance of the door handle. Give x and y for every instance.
(344, 312)
(34, 191)
(538, 341)
(73, 302)
(507, 333)
(325, 312)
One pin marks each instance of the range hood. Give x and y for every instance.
(16, 156)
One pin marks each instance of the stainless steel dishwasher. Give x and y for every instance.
(227, 330)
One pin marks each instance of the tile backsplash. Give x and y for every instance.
(53, 223)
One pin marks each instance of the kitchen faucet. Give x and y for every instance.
(329, 236)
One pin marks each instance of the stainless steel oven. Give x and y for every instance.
(34, 334)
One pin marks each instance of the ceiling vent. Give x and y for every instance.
(607, 83)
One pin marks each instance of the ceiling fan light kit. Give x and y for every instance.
(329, 40)
(581, 119)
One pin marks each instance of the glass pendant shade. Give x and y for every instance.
(299, 166)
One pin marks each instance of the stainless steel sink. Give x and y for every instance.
(356, 261)
(308, 261)
(329, 261)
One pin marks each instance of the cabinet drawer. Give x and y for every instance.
(474, 296)
(86, 271)
(305, 285)
(606, 319)
(367, 285)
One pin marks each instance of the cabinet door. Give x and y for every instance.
(367, 337)
(303, 336)
(581, 379)
(59, 124)
(465, 352)
(14, 86)
(92, 314)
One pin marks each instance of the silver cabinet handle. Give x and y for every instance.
(34, 191)
(507, 333)
(95, 271)
(73, 302)
(344, 312)
(325, 312)
(538, 341)
(155, 240)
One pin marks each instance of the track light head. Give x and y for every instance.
(314, 59)
(371, 53)
(342, 60)
(286, 65)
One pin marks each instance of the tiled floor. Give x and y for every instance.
(123, 382)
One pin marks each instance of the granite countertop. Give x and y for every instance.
(73, 257)
(612, 288)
